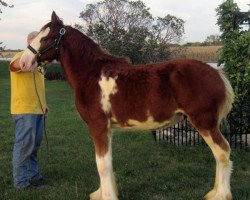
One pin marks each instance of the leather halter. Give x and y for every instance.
(52, 45)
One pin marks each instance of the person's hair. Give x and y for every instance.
(32, 35)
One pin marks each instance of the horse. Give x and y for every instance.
(110, 93)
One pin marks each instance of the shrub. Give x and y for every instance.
(235, 56)
(236, 49)
(54, 71)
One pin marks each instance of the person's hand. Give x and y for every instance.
(46, 111)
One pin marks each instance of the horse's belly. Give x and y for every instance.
(150, 123)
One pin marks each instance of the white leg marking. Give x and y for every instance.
(221, 189)
(108, 189)
(224, 179)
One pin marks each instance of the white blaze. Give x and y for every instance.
(28, 58)
(36, 43)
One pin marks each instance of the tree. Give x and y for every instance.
(236, 57)
(2, 3)
(127, 28)
(212, 40)
(236, 49)
(1, 47)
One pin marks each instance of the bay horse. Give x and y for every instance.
(112, 93)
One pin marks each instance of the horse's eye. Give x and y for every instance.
(44, 39)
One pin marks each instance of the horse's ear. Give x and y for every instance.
(55, 19)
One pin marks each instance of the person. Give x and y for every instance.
(28, 106)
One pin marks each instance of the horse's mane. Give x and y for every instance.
(84, 45)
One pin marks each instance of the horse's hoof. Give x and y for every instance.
(217, 196)
(210, 194)
(97, 195)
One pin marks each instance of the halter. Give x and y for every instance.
(53, 44)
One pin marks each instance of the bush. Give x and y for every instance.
(235, 56)
(54, 71)
(236, 50)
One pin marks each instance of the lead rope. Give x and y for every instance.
(44, 115)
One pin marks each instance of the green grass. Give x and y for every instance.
(145, 169)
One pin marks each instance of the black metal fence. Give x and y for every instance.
(236, 129)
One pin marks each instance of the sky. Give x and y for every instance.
(29, 15)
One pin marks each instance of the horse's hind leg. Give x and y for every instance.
(102, 141)
(221, 152)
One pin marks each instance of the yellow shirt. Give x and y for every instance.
(24, 99)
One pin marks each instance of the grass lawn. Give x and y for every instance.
(145, 169)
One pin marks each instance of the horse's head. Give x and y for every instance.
(45, 47)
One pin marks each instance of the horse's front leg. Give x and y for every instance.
(101, 135)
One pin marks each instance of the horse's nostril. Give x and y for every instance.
(21, 64)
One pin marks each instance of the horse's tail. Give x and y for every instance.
(229, 95)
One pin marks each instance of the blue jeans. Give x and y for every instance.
(29, 130)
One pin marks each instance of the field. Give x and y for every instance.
(204, 53)
(145, 169)
(7, 54)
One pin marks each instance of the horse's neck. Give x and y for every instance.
(78, 66)
(83, 60)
